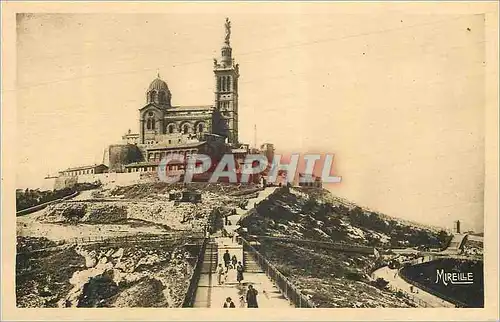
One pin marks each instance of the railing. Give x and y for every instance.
(45, 204)
(190, 296)
(288, 290)
(120, 240)
(413, 298)
(339, 246)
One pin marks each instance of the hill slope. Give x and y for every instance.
(332, 278)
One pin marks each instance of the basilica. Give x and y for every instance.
(166, 129)
(171, 129)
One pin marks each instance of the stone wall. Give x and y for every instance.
(119, 179)
(122, 154)
(64, 182)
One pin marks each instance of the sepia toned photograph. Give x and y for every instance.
(295, 156)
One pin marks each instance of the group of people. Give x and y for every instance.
(250, 301)
(229, 263)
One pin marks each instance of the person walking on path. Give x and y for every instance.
(234, 261)
(252, 297)
(220, 273)
(227, 259)
(229, 303)
(242, 302)
(239, 273)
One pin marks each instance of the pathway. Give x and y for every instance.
(397, 283)
(212, 295)
(249, 208)
(456, 244)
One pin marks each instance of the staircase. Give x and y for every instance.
(210, 258)
(456, 244)
(250, 264)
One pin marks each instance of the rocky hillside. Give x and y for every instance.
(332, 278)
(148, 274)
(139, 275)
(160, 190)
(309, 214)
(473, 247)
(149, 203)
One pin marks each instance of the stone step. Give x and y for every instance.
(251, 266)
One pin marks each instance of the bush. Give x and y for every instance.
(285, 270)
(353, 276)
(380, 283)
(30, 198)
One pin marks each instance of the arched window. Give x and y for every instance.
(153, 124)
(163, 97)
(200, 127)
(223, 84)
(170, 128)
(152, 96)
(218, 83)
(185, 129)
(149, 124)
(228, 82)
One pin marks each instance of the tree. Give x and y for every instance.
(443, 238)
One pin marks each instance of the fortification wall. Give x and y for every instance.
(119, 179)
(122, 154)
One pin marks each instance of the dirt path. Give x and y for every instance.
(397, 283)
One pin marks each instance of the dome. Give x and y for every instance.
(158, 92)
(158, 85)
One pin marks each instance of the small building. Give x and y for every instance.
(191, 196)
(130, 138)
(173, 167)
(185, 196)
(456, 226)
(309, 181)
(84, 170)
(240, 153)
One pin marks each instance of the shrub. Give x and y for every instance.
(354, 276)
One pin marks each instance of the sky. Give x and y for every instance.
(399, 99)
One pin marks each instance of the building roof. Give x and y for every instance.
(193, 107)
(84, 167)
(150, 163)
(239, 150)
(176, 146)
(307, 177)
(158, 85)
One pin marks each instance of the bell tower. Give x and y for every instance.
(226, 73)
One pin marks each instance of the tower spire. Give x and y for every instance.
(228, 31)
(226, 50)
(255, 136)
(226, 74)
